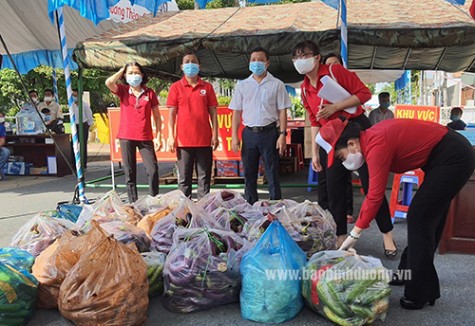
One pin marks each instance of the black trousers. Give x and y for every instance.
(202, 159)
(450, 165)
(337, 184)
(323, 194)
(128, 149)
(255, 145)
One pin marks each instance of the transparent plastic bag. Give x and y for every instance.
(155, 263)
(107, 286)
(184, 214)
(272, 206)
(266, 297)
(39, 232)
(128, 233)
(346, 288)
(149, 220)
(54, 263)
(235, 219)
(223, 198)
(254, 229)
(68, 212)
(16, 257)
(17, 295)
(202, 269)
(106, 209)
(149, 205)
(312, 227)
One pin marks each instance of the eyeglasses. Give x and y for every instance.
(302, 55)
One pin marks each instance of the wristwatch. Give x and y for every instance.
(283, 132)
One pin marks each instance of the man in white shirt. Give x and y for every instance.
(88, 121)
(261, 101)
(382, 112)
(55, 113)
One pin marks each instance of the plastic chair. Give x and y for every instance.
(401, 198)
(312, 178)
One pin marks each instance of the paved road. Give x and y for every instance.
(21, 197)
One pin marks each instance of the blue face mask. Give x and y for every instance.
(134, 80)
(191, 69)
(454, 117)
(385, 105)
(257, 67)
(75, 99)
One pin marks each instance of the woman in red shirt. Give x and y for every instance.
(398, 146)
(306, 58)
(137, 104)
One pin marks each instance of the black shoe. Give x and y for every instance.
(396, 280)
(411, 305)
(390, 254)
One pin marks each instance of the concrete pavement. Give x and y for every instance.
(21, 197)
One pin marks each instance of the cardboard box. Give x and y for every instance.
(227, 168)
(260, 172)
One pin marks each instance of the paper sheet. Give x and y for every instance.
(333, 92)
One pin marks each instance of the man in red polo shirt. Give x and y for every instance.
(306, 57)
(192, 106)
(401, 145)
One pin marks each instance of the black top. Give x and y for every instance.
(457, 125)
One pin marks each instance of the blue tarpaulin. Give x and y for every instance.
(27, 61)
(98, 10)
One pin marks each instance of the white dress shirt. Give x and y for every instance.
(260, 103)
(86, 113)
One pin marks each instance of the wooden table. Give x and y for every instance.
(35, 149)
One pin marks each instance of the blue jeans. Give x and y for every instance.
(4, 154)
(255, 145)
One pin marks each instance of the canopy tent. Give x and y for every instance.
(421, 34)
(31, 37)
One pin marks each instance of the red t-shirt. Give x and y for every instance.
(193, 128)
(347, 79)
(135, 114)
(397, 145)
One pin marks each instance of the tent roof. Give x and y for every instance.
(421, 34)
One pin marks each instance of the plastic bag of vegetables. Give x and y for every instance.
(236, 218)
(271, 288)
(106, 209)
(54, 263)
(254, 229)
(68, 212)
(39, 232)
(202, 269)
(107, 286)
(149, 205)
(310, 226)
(17, 295)
(348, 289)
(128, 233)
(149, 220)
(19, 258)
(185, 214)
(155, 262)
(272, 206)
(223, 198)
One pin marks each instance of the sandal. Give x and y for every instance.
(390, 254)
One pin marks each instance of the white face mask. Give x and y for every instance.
(48, 98)
(353, 161)
(2, 120)
(304, 66)
(35, 100)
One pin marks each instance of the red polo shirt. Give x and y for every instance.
(347, 79)
(193, 128)
(398, 146)
(136, 113)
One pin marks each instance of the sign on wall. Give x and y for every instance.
(224, 151)
(419, 112)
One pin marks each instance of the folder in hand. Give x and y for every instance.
(332, 92)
